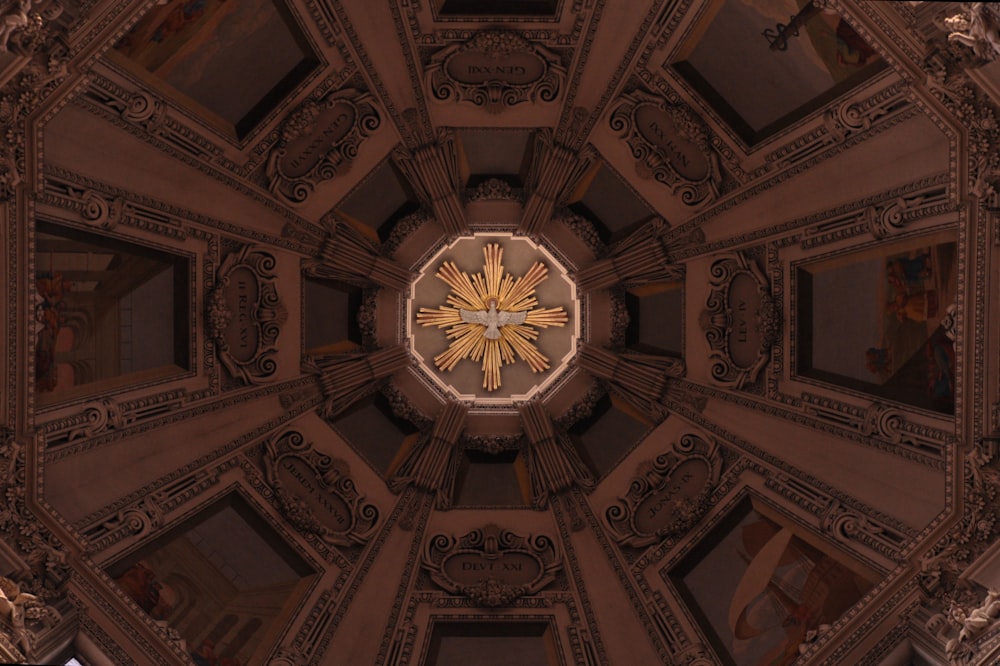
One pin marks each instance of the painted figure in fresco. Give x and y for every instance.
(905, 274)
(940, 359)
(878, 360)
(140, 583)
(789, 590)
(918, 306)
(49, 312)
(852, 50)
(176, 20)
(205, 656)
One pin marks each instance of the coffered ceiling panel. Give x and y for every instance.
(447, 331)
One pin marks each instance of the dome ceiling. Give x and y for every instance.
(454, 331)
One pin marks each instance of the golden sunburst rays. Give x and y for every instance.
(507, 296)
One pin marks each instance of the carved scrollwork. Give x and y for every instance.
(319, 140)
(741, 320)
(316, 492)
(670, 144)
(495, 69)
(668, 495)
(245, 315)
(492, 566)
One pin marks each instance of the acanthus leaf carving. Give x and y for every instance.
(741, 320)
(245, 315)
(42, 552)
(669, 494)
(316, 492)
(495, 69)
(492, 566)
(319, 140)
(38, 39)
(947, 79)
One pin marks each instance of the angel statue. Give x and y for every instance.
(977, 28)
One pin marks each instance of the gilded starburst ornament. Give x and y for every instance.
(492, 317)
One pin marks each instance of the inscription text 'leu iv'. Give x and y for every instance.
(491, 317)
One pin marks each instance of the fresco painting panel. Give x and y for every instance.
(220, 580)
(228, 56)
(824, 59)
(877, 322)
(760, 590)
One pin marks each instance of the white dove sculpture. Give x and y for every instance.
(492, 319)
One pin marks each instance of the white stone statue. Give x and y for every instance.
(15, 19)
(978, 28)
(974, 622)
(17, 606)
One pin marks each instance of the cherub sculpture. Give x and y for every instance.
(975, 622)
(977, 28)
(16, 18)
(16, 607)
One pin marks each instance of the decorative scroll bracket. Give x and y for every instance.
(316, 492)
(741, 320)
(245, 315)
(495, 69)
(670, 144)
(492, 566)
(669, 494)
(319, 140)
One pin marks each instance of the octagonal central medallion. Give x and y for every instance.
(493, 318)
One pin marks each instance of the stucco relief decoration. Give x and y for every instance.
(670, 144)
(42, 40)
(21, 23)
(492, 566)
(741, 320)
(316, 492)
(668, 495)
(319, 140)
(495, 69)
(245, 315)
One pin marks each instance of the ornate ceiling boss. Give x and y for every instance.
(498, 302)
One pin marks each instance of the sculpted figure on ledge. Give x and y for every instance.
(977, 28)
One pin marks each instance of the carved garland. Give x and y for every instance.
(669, 494)
(316, 492)
(495, 69)
(319, 140)
(670, 144)
(492, 566)
(741, 320)
(245, 315)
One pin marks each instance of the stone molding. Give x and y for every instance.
(495, 69)
(245, 315)
(731, 318)
(490, 565)
(322, 488)
(320, 140)
(670, 145)
(670, 482)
